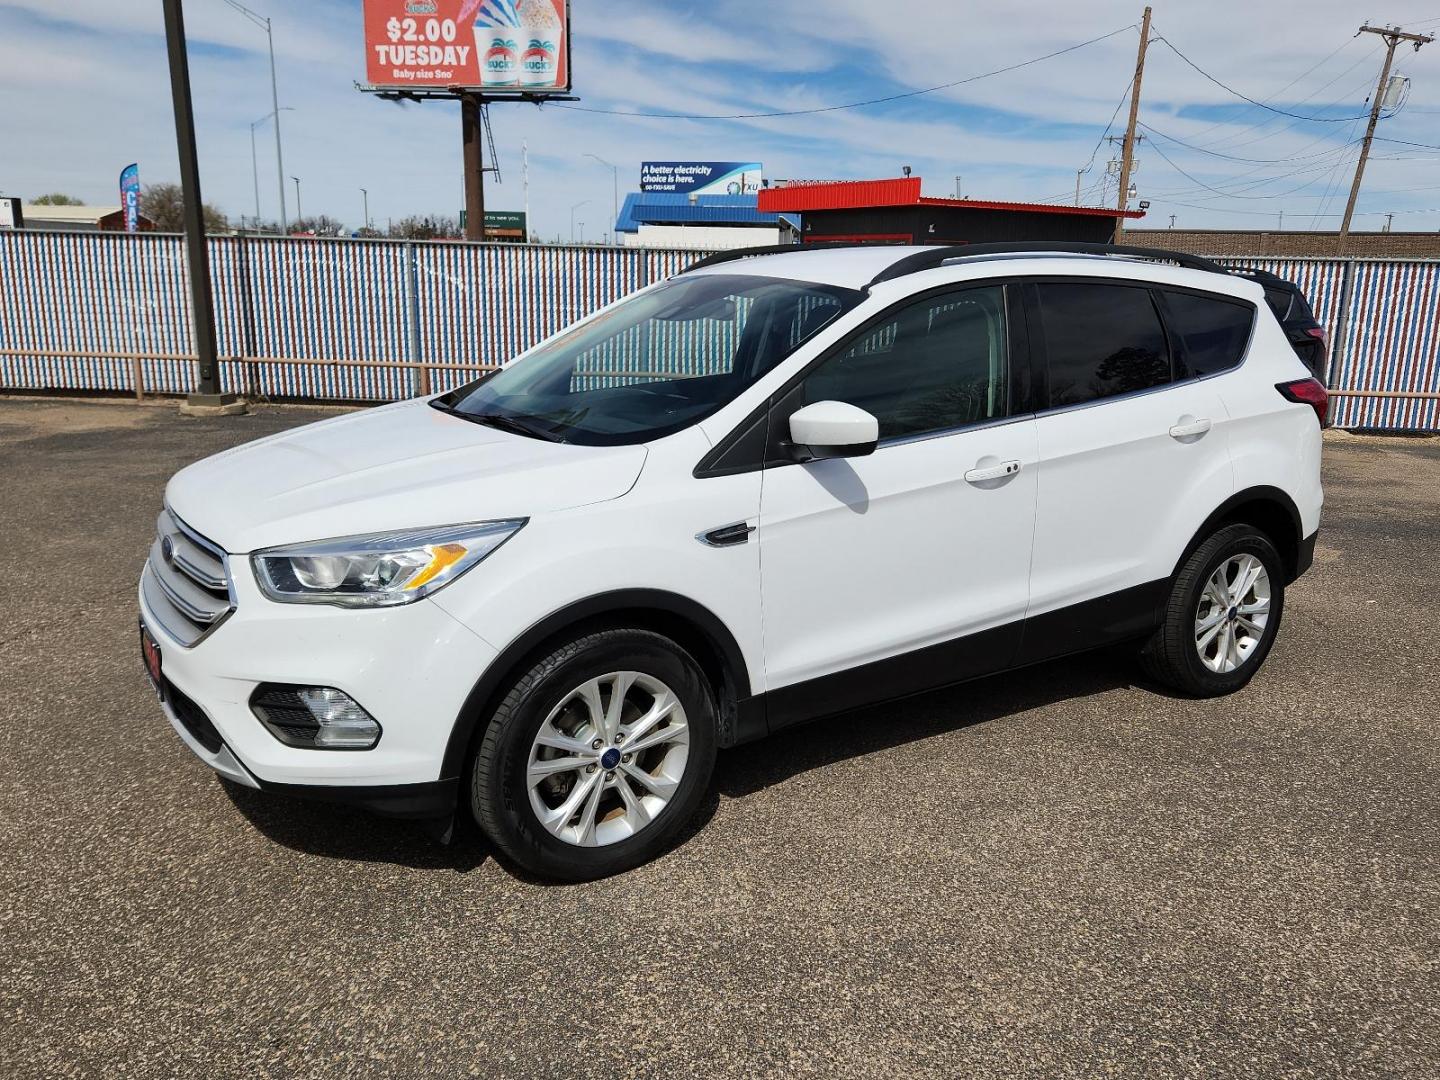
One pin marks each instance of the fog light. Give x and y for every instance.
(315, 717)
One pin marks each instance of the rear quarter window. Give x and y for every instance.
(1279, 301)
(1210, 332)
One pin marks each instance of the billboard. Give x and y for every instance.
(502, 224)
(508, 46)
(130, 196)
(10, 214)
(701, 177)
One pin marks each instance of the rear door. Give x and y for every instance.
(1133, 458)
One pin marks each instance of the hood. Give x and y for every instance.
(400, 466)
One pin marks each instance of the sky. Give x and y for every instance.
(85, 91)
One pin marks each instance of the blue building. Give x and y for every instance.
(682, 220)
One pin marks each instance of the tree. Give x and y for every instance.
(320, 225)
(56, 198)
(164, 204)
(425, 228)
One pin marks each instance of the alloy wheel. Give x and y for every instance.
(608, 759)
(1232, 613)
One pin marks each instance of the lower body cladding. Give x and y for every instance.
(409, 668)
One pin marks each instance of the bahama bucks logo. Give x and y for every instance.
(420, 7)
(538, 57)
(500, 56)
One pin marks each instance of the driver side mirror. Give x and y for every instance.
(832, 429)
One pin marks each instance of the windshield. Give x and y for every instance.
(655, 363)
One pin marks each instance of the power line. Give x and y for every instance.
(1232, 157)
(1243, 97)
(1129, 86)
(1259, 127)
(851, 104)
(1406, 142)
(1238, 195)
(1305, 74)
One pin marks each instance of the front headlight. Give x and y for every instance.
(379, 569)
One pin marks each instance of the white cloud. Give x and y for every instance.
(86, 91)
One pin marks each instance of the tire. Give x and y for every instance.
(1174, 655)
(616, 832)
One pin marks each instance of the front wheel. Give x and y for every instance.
(599, 754)
(1222, 616)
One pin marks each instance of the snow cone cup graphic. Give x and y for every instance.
(498, 49)
(540, 37)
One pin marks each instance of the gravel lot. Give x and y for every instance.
(1056, 873)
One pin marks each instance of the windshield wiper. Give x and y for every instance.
(513, 424)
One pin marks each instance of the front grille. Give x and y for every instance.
(186, 581)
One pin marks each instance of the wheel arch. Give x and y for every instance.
(1270, 510)
(688, 623)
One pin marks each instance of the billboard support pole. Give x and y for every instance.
(207, 395)
(473, 139)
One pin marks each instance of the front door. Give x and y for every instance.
(908, 568)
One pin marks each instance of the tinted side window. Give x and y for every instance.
(1101, 340)
(938, 363)
(1211, 333)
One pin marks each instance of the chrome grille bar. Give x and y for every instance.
(186, 582)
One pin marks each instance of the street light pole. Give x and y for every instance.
(615, 187)
(577, 206)
(254, 162)
(255, 173)
(299, 216)
(365, 221)
(202, 312)
(263, 22)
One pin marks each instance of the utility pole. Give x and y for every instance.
(1393, 35)
(1078, 173)
(1127, 157)
(525, 184)
(365, 220)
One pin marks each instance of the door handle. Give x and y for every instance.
(992, 472)
(1189, 429)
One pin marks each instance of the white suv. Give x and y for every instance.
(772, 488)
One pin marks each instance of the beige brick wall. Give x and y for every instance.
(1288, 244)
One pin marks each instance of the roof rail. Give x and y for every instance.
(939, 255)
(740, 253)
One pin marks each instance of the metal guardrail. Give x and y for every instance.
(137, 371)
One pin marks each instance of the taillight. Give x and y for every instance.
(1308, 392)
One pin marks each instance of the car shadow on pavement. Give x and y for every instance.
(341, 832)
(347, 832)
(755, 766)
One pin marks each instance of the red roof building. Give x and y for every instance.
(894, 212)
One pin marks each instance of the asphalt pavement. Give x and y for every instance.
(1058, 873)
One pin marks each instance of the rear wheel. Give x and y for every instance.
(599, 754)
(1222, 616)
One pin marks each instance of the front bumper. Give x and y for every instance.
(435, 799)
(410, 667)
